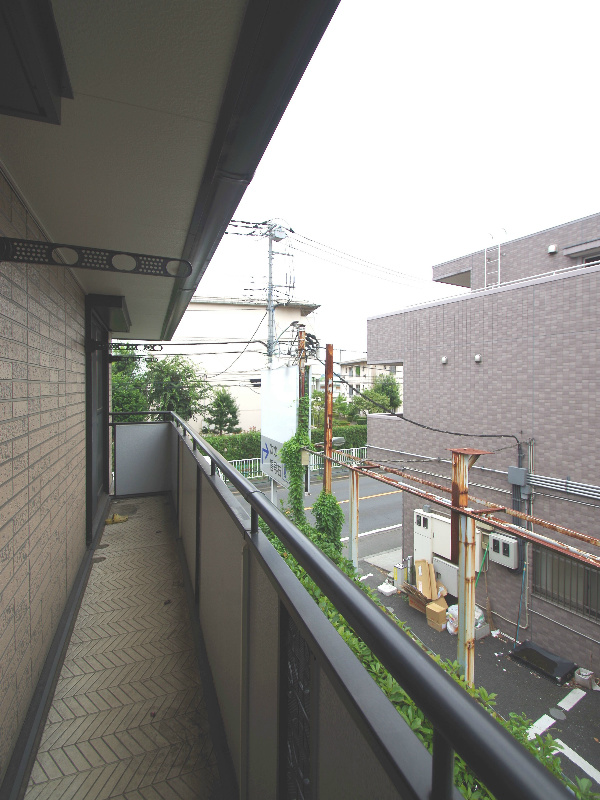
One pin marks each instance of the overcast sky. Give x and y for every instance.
(421, 132)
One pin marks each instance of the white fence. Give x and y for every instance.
(250, 467)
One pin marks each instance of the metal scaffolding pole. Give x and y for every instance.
(463, 545)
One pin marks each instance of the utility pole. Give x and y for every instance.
(276, 234)
(328, 439)
(302, 358)
(353, 540)
(462, 550)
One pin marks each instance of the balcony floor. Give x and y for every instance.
(128, 718)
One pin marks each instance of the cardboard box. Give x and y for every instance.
(437, 626)
(436, 612)
(415, 603)
(432, 583)
(441, 589)
(423, 578)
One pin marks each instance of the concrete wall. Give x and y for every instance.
(524, 257)
(538, 379)
(42, 462)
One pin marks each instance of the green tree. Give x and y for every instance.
(128, 385)
(173, 383)
(387, 385)
(369, 401)
(340, 407)
(222, 415)
(317, 407)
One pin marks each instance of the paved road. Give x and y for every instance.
(380, 512)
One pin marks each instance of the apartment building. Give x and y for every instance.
(515, 365)
(360, 375)
(242, 324)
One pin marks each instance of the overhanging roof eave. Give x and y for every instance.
(275, 46)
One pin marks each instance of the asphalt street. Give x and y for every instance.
(518, 688)
(572, 717)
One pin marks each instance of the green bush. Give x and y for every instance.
(354, 435)
(236, 445)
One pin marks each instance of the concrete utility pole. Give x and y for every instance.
(462, 550)
(328, 439)
(302, 359)
(353, 540)
(276, 234)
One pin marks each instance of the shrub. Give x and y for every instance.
(236, 445)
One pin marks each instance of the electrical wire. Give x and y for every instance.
(244, 350)
(420, 424)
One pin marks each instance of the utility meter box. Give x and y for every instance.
(504, 549)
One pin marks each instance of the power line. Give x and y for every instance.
(420, 424)
(244, 350)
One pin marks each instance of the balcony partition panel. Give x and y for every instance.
(142, 457)
(302, 717)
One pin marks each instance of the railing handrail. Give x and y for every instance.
(499, 761)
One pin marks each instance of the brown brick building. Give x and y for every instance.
(124, 129)
(516, 357)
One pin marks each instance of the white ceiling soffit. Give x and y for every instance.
(174, 104)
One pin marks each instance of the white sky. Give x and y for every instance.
(420, 131)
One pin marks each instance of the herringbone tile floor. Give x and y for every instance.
(128, 719)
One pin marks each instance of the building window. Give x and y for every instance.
(566, 582)
(350, 371)
(392, 369)
(357, 371)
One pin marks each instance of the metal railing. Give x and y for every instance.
(251, 467)
(460, 724)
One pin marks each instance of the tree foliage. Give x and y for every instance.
(173, 383)
(222, 414)
(388, 386)
(369, 401)
(317, 407)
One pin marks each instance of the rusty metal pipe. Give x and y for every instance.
(328, 438)
(583, 537)
(514, 530)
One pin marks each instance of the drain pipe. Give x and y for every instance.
(520, 604)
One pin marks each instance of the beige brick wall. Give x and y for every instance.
(42, 462)
(538, 379)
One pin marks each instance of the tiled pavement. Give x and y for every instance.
(128, 718)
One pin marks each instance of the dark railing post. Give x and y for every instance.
(442, 779)
(198, 531)
(213, 467)
(253, 520)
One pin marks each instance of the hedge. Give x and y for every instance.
(247, 445)
(236, 445)
(354, 435)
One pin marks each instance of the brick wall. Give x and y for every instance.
(537, 379)
(524, 257)
(42, 462)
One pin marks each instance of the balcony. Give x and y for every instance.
(199, 666)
